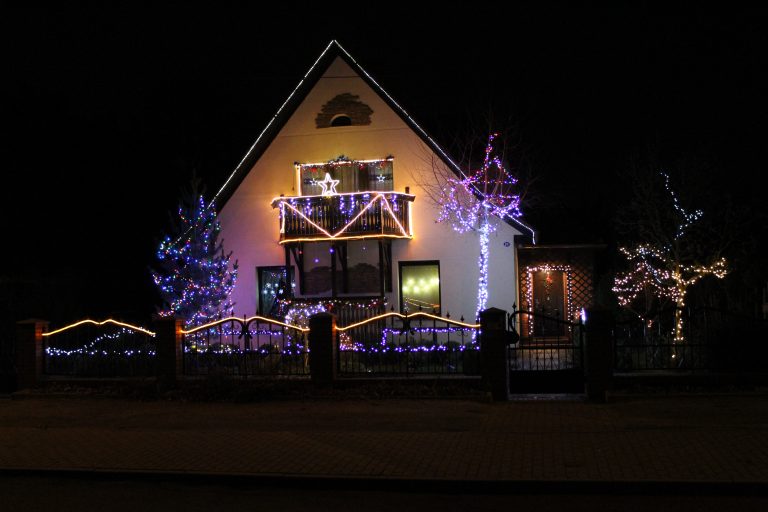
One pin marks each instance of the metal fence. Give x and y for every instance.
(100, 349)
(712, 339)
(255, 346)
(545, 343)
(393, 344)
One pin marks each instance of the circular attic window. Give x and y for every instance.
(341, 120)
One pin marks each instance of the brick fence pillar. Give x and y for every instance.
(598, 364)
(170, 354)
(493, 352)
(29, 352)
(322, 348)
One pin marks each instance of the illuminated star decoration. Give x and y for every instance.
(328, 185)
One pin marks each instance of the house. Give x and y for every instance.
(329, 208)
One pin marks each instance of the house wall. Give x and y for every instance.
(250, 225)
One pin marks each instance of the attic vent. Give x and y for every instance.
(344, 110)
(341, 120)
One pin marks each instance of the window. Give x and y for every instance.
(341, 120)
(353, 176)
(275, 284)
(346, 268)
(420, 286)
(363, 276)
(317, 275)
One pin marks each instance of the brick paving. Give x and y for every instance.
(694, 438)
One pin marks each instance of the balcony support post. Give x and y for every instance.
(381, 268)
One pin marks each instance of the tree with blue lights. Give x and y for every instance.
(194, 275)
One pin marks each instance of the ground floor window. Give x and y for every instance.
(275, 283)
(420, 286)
(344, 269)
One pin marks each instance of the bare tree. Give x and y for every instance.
(673, 247)
(473, 200)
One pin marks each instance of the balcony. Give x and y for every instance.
(351, 216)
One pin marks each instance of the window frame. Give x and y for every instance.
(419, 263)
(260, 269)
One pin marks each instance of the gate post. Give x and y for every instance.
(598, 353)
(493, 352)
(170, 353)
(322, 348)
(29, 352)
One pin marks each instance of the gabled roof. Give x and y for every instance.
(289, 106)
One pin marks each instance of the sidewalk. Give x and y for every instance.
(662, 439)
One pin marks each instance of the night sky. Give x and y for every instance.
(108, 111)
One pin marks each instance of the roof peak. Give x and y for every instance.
(332, 50)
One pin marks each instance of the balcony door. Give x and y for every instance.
(353, 176)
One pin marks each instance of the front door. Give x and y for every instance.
(549, 303)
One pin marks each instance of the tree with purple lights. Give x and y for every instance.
(476, 202)
(194, 275)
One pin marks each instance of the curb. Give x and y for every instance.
(416, 486)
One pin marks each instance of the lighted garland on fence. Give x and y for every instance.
(92, 349)
(436, 347)
(199, 342)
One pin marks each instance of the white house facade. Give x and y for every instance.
(329, 205)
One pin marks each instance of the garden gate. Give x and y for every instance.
(547, 355)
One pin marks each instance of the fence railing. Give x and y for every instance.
(401, 345)
(256, 346)
(712, 339)
(393, 344)
(100, 349)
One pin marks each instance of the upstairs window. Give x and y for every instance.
(341, 120)
(352, 175)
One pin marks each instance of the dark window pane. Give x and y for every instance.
(317, 268)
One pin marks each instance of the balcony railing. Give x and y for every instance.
(344, 216)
